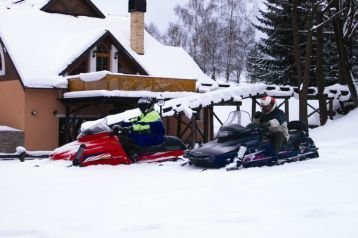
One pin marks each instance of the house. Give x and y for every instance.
(50, 47)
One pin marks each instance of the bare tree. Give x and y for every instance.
(319, 69)
(176, 36)
(238, 37)
(192, 15)
(217, 34)
(244, 44)
(154, 31)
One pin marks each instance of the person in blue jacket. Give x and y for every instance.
(274, 120)
(145, 130)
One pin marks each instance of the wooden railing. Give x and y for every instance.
(133, 83)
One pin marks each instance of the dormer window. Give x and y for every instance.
(2, 61)
(103, 53)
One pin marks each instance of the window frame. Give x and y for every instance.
(103, 53)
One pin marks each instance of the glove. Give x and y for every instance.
(116, 129)
(265, 125)
(127, 130)
(257, 115)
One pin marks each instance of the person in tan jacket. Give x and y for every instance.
(274, 121)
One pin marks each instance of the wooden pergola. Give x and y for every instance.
(79, 109)
(200, 128)
(285, 104)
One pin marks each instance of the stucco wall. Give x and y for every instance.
(41, 122)
(12, 104)
(35, 113)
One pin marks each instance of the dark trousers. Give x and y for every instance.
(128, 145)
(277, 139)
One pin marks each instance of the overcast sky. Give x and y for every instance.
(160, 12)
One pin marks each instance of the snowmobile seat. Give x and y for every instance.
(297, 131)
(295, 137)
(170, 142)
(297, 125)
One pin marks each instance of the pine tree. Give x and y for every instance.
(255, 65)
(276, 64)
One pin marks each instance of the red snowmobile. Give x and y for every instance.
(102, 145)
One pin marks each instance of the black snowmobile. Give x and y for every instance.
(240, 143)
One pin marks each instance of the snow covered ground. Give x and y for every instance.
(315, 198)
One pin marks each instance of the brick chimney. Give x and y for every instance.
(137, 8)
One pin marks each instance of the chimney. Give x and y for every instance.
(137, 8)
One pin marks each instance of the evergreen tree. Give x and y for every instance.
(276, 64)
(330, 60)
(255, 64)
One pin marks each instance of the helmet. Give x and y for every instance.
(145, 104)
(268, 104)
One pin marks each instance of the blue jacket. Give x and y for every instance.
(148, 129)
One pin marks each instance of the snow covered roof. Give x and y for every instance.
(184, 102)
(33, 3)
(41, 45)
(7, 128)
(179, 102)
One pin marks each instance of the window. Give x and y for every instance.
(103, 57)
(2, 61)
(119, 65)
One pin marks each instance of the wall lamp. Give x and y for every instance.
(116, 55)
(160, 102)
(94, 53)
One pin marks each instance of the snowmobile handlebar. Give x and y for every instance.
(264, 130)
(117, 129)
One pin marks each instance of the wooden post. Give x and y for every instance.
(287, 109)
(193, 129)
(179, 125)
(167, 124)
(253, 106)
(211, 122)
(206, 124)
(330, 108)
(67, 123)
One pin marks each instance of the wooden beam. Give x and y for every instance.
(253, 105)
(287, 109)
(67, 123)
(193, 130)
(206, 124)
(211, 122)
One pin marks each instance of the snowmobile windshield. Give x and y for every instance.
(94, 128)
(234, 126)
(239, 118)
